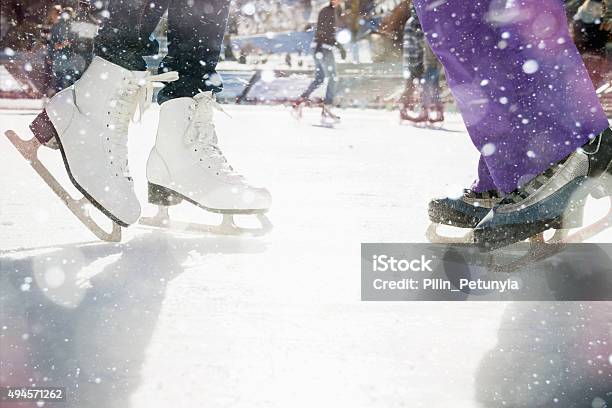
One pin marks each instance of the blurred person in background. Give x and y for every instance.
(325, 62)
(591, 26)
(84, 28)
(71, 44)
(60, 51)
(420, 101)
(53, 16)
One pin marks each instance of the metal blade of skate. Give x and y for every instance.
(324, 125)
(435, 237)
(163, 221)
(29, 150)
(590, 231)
(541, 248)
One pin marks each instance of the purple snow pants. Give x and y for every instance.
(519, 81)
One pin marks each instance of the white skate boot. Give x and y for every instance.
(186, 164)
(328, 118)
(89, 122)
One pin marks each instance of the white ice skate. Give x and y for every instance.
(328, 118)
(89, 122)
(297, 110)
(186, 164)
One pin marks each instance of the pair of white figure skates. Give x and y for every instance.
(89, 122)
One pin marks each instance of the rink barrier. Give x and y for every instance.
(372, 86)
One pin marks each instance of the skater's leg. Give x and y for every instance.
(485, 181)
(150, 20)
(413, 48)
(329, 65)
(413, 67)
(319, 77)
(124, 38)
(195, 37)
(431, 76)
(518, 79)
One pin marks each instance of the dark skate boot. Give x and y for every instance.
(463, 212)
(553, 200)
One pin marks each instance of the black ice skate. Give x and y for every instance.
(463, 212)
(553, 200)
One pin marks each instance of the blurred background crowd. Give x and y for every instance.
(47, 44)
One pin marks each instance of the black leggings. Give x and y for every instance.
(195, 37)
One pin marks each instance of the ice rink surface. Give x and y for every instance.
(168, 319)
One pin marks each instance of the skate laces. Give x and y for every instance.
(206, 140)
(593, 140)
(135, 93)
(542, 179)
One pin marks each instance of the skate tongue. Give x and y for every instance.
(209, 97)
(146, 86)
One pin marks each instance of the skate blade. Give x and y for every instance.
(590, 231)
(435, 237)
(416, 124)
(539, 249)
(29, 150)
(324, 125)
(163, 221)
(435, 125)
(542, 248)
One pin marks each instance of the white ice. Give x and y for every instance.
(166, 319)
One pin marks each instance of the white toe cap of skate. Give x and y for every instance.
(119, 202)
(240, 198)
